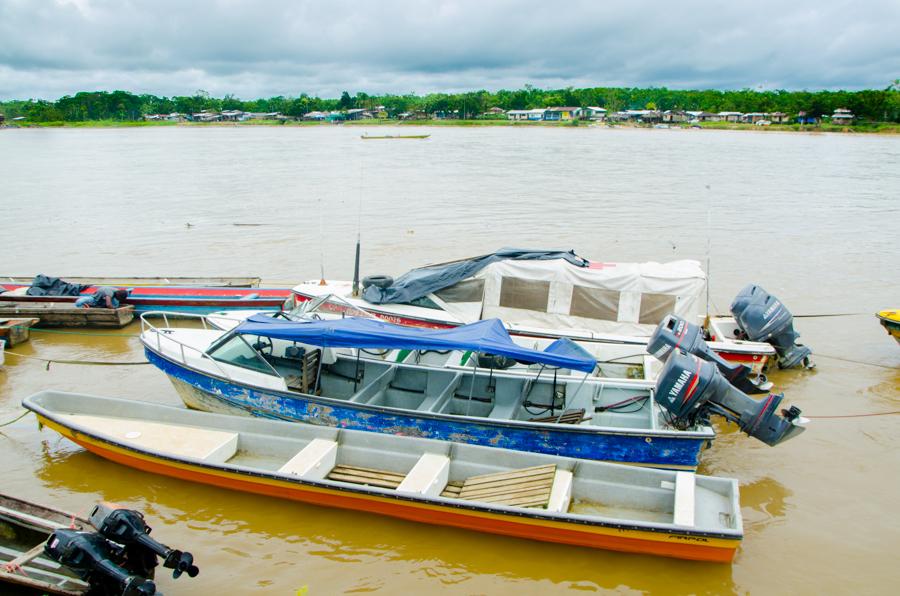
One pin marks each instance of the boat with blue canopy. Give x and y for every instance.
(303, 372)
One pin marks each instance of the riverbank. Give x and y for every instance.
(862, 128)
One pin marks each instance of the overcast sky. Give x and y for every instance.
(50, 48)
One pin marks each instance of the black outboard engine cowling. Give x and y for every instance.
(762, 317)
(691, 389)
(93, 558)
(674, 332)
(127, 527)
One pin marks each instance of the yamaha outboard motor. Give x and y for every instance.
(674, 332)
(762, 317)
(93, 558)
(691, 389)
(127, 527)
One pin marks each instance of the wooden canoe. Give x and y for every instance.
(66, 314)
(525, 495)
(380, 137)
(130, 282)
(24, 528)
(16, 330)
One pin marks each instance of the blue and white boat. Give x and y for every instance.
(314, 372)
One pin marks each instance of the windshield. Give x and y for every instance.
(328, 306)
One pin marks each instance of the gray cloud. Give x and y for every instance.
(257, 49)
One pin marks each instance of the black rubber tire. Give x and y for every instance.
(379, 281)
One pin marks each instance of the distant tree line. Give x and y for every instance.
(869, 104)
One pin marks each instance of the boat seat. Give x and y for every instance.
(683, 510)
(428, 477)
(367, 476)
(528, 487)
(213, 446)
(314, 461)
(567, 417)
(451, 491)
(560, 492)
(375, 387)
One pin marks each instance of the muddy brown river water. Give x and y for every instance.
(812, 218)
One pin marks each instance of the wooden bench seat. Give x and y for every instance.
(528, 487)
(314, 461)
(428, 477)
(684, 507)
(567, 417)
(451, 491)
(366, 476)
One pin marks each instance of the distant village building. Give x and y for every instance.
(233, 115)
(842, 116)
(779, 118)
(206, 116)
(358, 114)
(530, 115)
(564, 114)
(315, 116)
(804, 118)
(754, 117)
(675, 116)
(594, 113)
(731, 116)
(495, 111)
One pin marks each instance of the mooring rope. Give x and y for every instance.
(818, 355)
(856, 415)
(85, 362)
(22, 415)
(95, 334)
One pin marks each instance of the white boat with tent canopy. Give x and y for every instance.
(543, 294)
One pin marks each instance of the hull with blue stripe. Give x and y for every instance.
(661, 449)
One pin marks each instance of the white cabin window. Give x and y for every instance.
(525, 294)
(594, 303)
(238, 351)
(470, 290)
(654, 307)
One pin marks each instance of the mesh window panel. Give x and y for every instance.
(654, 307)
(465, 291)
(593, 303)
(525, 294)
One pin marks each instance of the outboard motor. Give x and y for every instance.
(691, 389)
(127, 527)
(673, 332)
(762, 317)
(93, 558)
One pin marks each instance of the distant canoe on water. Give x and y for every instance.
(370, 137)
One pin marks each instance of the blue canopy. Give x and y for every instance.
(489, 336)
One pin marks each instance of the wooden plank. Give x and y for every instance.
(534, 471)
(684, 506)
(544, 484)
(26, 556)
(503, 497)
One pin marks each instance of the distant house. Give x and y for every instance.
(262, 115)
(675, 116)
(561, 114)
(205, 116)
(315, 116)
(804, 118)
(335, 116)
(842, 116)
(446, 115)
(779, 118)
(754, 117)
(232, 115)
(593, 113)
(731, 116)
(495, 111)
(358, 114)
(652, 116)
(379, 112)
(414, 115)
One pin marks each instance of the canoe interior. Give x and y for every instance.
(600, 492)
(24, 526)
(228, 282)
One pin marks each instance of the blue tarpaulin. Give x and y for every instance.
(488, 336)
(424, 280)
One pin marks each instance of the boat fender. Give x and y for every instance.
(379, 281)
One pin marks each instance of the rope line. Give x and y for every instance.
(85, 362)
(818, 355)
(40, 330)
(857, 415)
(25, 413)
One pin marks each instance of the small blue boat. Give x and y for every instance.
(313, 372)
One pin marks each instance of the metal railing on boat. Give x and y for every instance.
(147, 326)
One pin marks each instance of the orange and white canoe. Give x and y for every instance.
(526, 495)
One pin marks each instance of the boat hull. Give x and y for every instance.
(611, 536)
(890, 320)
(56, 314)
(196, 300)
(680, 451)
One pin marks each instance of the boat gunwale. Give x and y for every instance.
(559, 517)
(708, 434)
